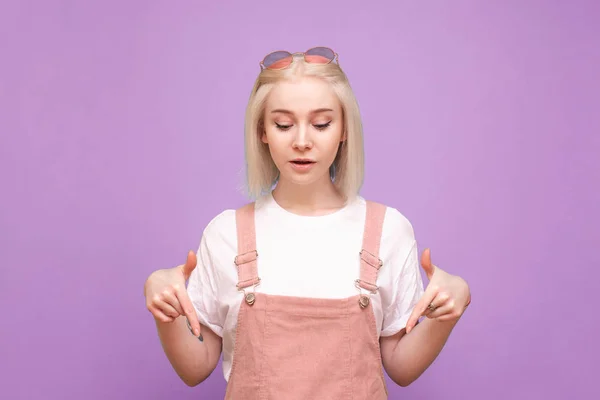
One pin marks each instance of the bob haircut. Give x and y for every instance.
(347, 170)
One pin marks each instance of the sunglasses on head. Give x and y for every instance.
(283, 59)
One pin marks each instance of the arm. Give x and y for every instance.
(408, 353)
(192, 349)
(192, 359)
(406, 357)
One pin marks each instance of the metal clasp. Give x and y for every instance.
(360, 288)
(250, 297)
(364, 298)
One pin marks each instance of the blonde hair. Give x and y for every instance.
(347, 171)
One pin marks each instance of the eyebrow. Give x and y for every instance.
(283, 111)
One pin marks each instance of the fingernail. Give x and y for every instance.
(200, 337)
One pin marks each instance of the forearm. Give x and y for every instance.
(191, 358)
(413, 353)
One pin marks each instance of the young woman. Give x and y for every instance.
(309, 291)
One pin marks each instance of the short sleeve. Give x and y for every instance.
(407, 289)
(202, 289)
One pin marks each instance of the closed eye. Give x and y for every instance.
(282, 127)
(320, 127)
(323, 126)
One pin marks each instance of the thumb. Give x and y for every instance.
(426, 263)
(190, 265)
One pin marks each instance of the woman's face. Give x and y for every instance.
(303, 127)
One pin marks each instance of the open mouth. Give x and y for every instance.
(302, 162)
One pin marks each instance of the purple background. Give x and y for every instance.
(121, 137)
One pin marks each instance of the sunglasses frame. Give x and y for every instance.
(263, 67)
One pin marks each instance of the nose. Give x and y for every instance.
(302, 139)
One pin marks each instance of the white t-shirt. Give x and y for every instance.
(304, 256)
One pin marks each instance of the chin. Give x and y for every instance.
(306, 179)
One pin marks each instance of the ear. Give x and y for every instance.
(262, 132)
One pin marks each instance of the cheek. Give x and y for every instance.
(270, 137)
(276, 143)
(334, 142)
(333, 150)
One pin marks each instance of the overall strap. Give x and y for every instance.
(247, 254)
(370, 263)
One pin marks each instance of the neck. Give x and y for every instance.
(315, 199)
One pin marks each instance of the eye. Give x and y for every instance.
(322, 127)
(282, 127)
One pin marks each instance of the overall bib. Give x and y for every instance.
(289, 348)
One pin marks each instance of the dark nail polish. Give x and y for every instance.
(201, 338)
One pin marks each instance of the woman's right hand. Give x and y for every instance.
(166, 294)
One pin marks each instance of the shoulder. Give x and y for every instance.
(397, 235)
(395, 223)
(222, 227)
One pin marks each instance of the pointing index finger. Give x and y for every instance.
(420, 309)
(189, 311)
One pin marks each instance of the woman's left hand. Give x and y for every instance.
(445, 298)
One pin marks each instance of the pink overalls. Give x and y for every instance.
(303, 348)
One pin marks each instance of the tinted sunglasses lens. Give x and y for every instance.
(321, 55)
(277, 60)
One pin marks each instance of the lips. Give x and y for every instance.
(302, 162)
